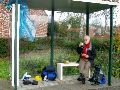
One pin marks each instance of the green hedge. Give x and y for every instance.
(44, 43)
(100, 44)
(37, 44)
(4, 47)
(4, 69)
(65, 43)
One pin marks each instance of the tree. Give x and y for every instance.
(75, 22)
(56, 27)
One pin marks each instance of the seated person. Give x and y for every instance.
(87, 54)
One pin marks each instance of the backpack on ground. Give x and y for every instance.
(98, 76)
(34, 82)
(49, 73)
(26, 82)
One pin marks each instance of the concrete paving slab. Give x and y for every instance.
(69, 83)
(5, 85)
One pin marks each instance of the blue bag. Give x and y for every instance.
(103, 79)
(98, 76)
(50, 72)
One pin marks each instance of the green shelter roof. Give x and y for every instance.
(71, 5)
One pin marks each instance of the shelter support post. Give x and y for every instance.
(111, 44)
(87, 19)
(13, 30)
(52, 34)
(15, 47)
(15, 44)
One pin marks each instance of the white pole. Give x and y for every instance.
(18, 27)
(13, 37)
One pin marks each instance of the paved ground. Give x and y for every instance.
(68, 83)
(5, 85)
(78, 86)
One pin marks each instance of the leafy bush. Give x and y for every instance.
(117, 42)
(32, 66)
(37, 44)
(35, 61)
(62, 30)
(101, 43)
(4, 69)
(102, 58)
(4, 47)
(66, 51)
(116, 65)
(71, 71)
(68, 43)
(26, 45)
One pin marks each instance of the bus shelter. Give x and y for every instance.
(77, 6)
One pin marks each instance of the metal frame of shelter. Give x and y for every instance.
(80, 6)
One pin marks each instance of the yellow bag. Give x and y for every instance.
(38, 78)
